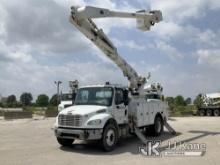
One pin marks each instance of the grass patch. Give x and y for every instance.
(40, 110)
(180, 111)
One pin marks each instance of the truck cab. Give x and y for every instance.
(93, 106)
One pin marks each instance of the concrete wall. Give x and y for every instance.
(49, 113)
(11, 109)
(17, 115)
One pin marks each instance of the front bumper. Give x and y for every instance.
(82, 134)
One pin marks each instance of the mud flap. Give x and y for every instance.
(140, 135)
(169, 128)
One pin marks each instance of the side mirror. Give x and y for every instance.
(125, 97)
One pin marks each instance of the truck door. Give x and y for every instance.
(121, 114)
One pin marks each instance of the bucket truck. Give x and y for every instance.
(67, 99)
(109, 112)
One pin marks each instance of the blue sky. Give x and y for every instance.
(38, 46)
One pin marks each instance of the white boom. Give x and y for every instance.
(81, 18)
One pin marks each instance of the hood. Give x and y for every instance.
(82, 109)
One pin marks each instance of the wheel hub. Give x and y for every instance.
(110, 137)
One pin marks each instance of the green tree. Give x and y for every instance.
(188, 101)
(198, 100)
(179, 101)
(26, 98)
(11, 101)
(170, 100)
(53, 100)
(42, 100)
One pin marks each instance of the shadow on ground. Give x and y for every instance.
(130, 144)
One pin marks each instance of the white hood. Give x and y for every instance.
(82, 109)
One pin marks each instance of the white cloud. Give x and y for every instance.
(169, 50)
(38, 78)
(209, 57)
(180, 11)
(39, 29)
(129, 44)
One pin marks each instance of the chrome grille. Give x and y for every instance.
(70, 120)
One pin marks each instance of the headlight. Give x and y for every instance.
(95, 122)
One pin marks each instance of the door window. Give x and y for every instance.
(119, 96)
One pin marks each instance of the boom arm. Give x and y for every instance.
(81, 18)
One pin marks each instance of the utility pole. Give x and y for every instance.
(58, 91)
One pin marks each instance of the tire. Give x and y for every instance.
(109, 137)
(201, 112)
(209, 112)
(216, 112)
(158, 127)
(65, 142)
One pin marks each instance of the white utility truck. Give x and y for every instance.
(211, 104)
(67, 99)
(108, 112)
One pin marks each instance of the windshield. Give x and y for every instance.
(66, 97)
(94, 96)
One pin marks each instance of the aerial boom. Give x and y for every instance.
(81, 18)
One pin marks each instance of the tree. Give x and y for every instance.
(198, 101)
(188, 101)
(53, 100)
(179, 101)
(170, 100)
(26, 98)
(42, 100)
(11, 99)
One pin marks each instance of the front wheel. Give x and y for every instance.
(216, 112)
(65, 142)
(109, 137)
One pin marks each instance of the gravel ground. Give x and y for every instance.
(31, 141)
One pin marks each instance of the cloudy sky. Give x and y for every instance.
(38, 46)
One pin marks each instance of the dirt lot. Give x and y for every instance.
(25, 142)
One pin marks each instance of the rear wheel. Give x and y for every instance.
(109, 137)
(65, 142)
(201, 112)
(158, 127)
(209, 112)
(216, 112)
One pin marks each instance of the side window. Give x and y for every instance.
(119, 96)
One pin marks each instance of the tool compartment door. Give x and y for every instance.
(140, 114)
